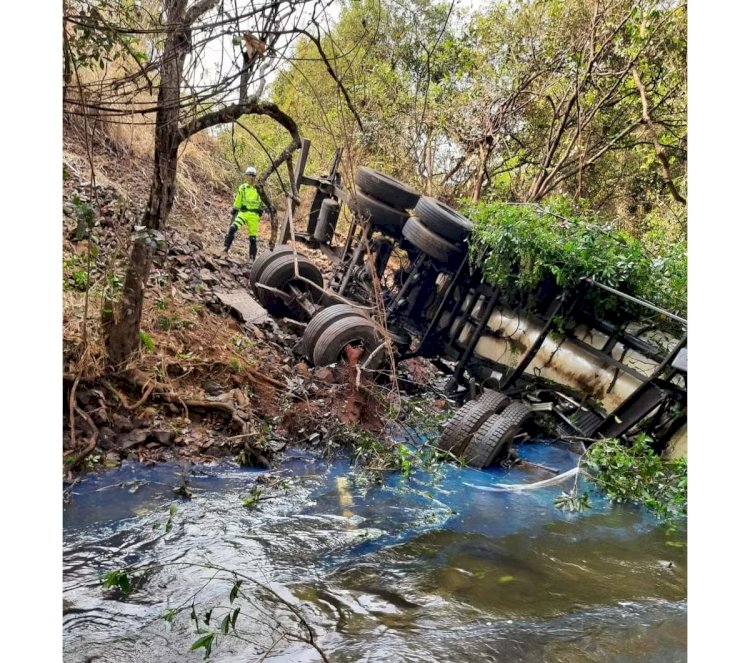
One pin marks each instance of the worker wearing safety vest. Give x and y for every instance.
(246, 211)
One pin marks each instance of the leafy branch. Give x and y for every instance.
(635, 474)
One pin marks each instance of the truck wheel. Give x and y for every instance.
(459, 430)
(280, 275)
(443, 220)
(352, 330)
(431, 243)
(494, 399)
(321, 320)
(492, 441)
(386, 188)
(265, 259)
(385, 218)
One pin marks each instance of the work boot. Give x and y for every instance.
(229, 238)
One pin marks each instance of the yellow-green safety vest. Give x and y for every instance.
(250, 207)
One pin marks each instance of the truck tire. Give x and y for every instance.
(443, 220)
(343, 332)
(494, 399)
(492, 441)
(280, 274)
(385, 188)
(385, 218)
(462, 425)
(265, 259)
(431, 243)
(321, 320)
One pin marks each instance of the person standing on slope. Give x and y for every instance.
(246, 211)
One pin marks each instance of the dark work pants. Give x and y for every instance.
(230, 238)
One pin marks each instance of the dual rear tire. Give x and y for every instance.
(481, 432)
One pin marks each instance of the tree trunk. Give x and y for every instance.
(124, 334)
(484, 154)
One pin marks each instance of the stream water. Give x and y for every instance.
(429, 568)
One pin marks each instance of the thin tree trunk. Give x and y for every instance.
(124, 334)
(484, 154)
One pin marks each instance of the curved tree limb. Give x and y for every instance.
(658, 147)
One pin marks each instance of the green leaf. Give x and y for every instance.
(204, 642)
(119, 579)
(225, 623)
(235, 590)
(170, 614)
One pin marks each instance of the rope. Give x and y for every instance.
(520, 487)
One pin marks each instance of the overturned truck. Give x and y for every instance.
(403, 285)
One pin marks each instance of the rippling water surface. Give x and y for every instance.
(435, 568)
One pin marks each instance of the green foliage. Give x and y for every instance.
(85, 217)
(119, 578)
(80, 280)
(146, 341)
(251, 501)
(206, 642)
(573, 501)
(75, 273)
(507, 94)
(636, 474)
(98, 34)
(170, 520)
(519, 246)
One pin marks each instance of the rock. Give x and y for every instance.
(132, 438)
(106, 438)
(302, 369)
(210, 264)
(245, 306)
(213, 388)
(207, 276)
(163, 436)
(324, 374)
(121, 424)
(258, 333)
(99, 417)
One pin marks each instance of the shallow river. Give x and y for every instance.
(431, 568)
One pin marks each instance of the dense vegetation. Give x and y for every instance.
(519, 246)
(509, 101)
(515, 101)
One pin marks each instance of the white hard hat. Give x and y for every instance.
(250, 171)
